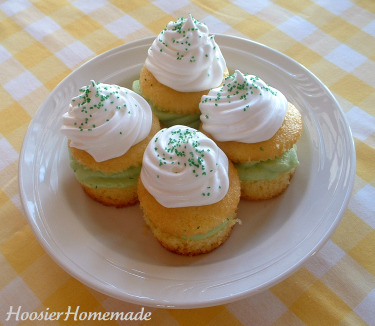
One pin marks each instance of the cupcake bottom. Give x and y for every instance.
(192, 247)
(266, 189)
(267, 179)
(192, 230)
(111, 189)
(118, 197)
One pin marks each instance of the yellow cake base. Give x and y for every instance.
(174, 226)
(167, 99)
(118, 197)
(188, 247)
(266, 189)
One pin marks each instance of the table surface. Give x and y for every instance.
(44, 41)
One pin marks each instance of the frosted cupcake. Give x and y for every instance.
(183, 63)
(257, 128)
(108, 128)
(188, 190)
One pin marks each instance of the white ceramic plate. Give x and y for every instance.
(112, 251)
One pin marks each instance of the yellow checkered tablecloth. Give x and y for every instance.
(43, 41)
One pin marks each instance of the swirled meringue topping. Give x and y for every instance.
(106, 120)
(182, 167)
(185, 57)
(244, 109)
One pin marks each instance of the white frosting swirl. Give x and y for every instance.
(245, 109)
(182, 167)
(106, 120)
(185, 57)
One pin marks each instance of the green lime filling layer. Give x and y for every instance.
(270, 169)
(98, 179)
(198, 236)
(170, 119)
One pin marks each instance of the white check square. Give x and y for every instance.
(22, 85)
(363, 204)
(124, 26)
(345, 57)
(254, 6)
(366, 308)
(215, 25)
(255, 309)
(361, 123)
(324, 259)
(89, 6)
(42, 28)
(7, 153)
(74, 54)
(336, 7)
(370, 28)
(11, 300)
(4, 54)
(12, 7)
(170, 6)
(297, 27)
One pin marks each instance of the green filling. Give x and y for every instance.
(270, 169)
(197, 237)
(98, 179)
(171, 119)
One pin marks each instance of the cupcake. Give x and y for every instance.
(183, 63)
(188, 190)
(108, 128)
(256, 126)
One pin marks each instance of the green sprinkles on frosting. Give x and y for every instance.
(184, 32)
(240, 90)
(105, 97)
(178, 144)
